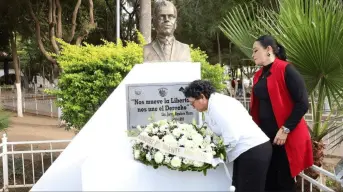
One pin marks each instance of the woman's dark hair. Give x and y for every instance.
(198, 87)
(278, 49)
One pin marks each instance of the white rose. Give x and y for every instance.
(137, 153)
(198, 163)
(154, 130)
(208, 148)
(158, 157)
(163, 128)
(148, 129)
(214, 153)
(139, 128)
(176, 162)
(189, 128)
(197, 138)
(187, 161)
(155, 138)
(177, 132)
(193, 132)
(167, 159)
(148, 157)
(167, 132)
(189, 144)
(182, 141)
(170, 140)
(207, 139)
(144, 134)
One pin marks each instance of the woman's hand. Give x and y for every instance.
(280, 138)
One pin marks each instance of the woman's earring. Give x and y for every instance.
(268, 54)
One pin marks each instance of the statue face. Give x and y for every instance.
(165, 20)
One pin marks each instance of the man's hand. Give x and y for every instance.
(280, 138)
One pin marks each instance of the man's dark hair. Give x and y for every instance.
(198, 87)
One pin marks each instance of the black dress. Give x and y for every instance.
(279, 176)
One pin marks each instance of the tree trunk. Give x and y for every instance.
(318, 157)
(59, 19)
(145, 20)
(17, 74)
(219, 51)
(91, 12)
(52, 23)
(91, 25)
(73, 20)
(38, 34)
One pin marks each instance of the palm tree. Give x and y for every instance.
(312, 33)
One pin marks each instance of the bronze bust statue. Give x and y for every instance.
(165, 47)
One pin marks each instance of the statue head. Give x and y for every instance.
(164, 18)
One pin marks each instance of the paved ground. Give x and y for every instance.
(32, 127)
(36, 128)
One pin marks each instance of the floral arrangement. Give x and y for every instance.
(178, 137)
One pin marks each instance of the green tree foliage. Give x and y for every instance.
(213, 73)
(91, 73)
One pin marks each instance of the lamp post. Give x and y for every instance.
(118, 20)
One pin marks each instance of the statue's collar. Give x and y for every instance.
(166, 40)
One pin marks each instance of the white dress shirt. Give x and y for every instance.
(227, 117)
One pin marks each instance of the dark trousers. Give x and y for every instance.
(250, 169)
(279, 177)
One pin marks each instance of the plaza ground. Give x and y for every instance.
(34, 128)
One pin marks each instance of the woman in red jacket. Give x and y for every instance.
(279, 102)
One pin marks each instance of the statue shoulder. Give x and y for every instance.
(183, 45)
(147, 46)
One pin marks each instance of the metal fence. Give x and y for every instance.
(35, 101)
(36, 106)
(9, 92)
(23, 166)
(23, 163)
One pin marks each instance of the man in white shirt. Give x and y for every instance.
(247, 145)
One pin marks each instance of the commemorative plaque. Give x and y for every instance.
(158, 101)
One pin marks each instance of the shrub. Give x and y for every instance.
(213, 73)
(91, 73)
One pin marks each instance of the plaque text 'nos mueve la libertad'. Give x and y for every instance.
(160, 101)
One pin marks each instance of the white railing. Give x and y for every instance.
(15, 173)
(319, 184)
(36, 106)
(23, 171)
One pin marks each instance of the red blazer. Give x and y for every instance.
(298, 144)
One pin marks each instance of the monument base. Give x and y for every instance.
(100, 155)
